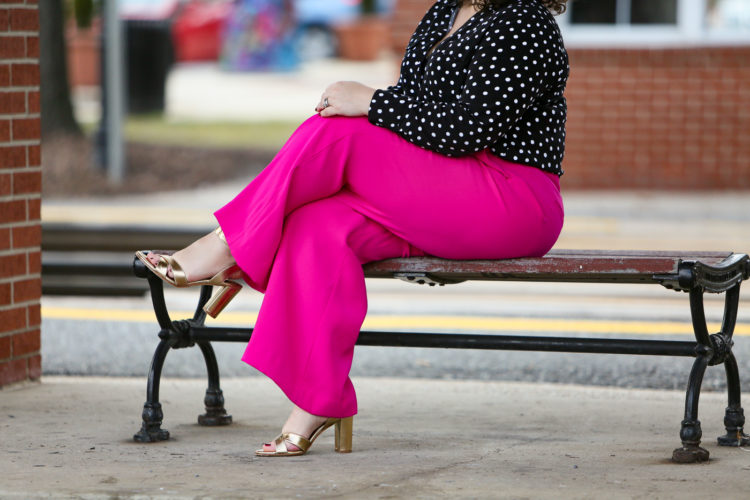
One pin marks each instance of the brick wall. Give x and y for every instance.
(20, 188)
(647, 118)
(667, 119)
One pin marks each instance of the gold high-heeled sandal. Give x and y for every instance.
(343, 439)
(224, 279)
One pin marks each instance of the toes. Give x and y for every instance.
(154, 260)
(271, 447)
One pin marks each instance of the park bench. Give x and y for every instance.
(693, 272)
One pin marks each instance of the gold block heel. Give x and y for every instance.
(344, 428)
(221, 298)
(343, 437)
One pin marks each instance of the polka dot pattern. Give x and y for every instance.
(497, 83)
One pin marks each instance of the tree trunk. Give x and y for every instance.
(57, 111)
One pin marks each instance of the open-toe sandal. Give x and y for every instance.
(226, 279)
(343, 440)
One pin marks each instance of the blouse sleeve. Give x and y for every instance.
(399, 89)
(505, 76)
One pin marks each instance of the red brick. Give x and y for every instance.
(12, 265)
(4, 73)
(27, 182)
(35, 367)
(26, 343)
(32, 47)
(13, 371)
(35, 155)
(24, 74)
(33, 101)
(5, 238)
(4, 135)
(26, 290)
(4, 24)
(5, 185)
(27, 236)
(12, 47)
(34, 209)
(13, 211)
(4, 296)
(35, 262)
(5, 347)
(26, 128)
(35, 315)
(12, 102)
(24, 20)
(13, 319)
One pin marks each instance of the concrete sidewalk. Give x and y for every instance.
(71, 438)
(205, 92)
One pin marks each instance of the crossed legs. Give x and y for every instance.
(340, 193)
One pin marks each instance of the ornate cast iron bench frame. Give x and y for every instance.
(694, 273)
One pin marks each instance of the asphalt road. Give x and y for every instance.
(104, 336)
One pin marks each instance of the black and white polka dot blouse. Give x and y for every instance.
(497, 83)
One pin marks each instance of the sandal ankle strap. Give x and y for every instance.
(220, 234)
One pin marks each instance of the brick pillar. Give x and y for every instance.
(20, 192)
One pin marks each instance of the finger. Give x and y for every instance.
(325, 103)
(329, 111)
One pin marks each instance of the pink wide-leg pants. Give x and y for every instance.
(342, 192)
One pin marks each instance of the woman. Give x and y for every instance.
(460, 160)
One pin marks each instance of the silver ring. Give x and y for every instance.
(325, 103)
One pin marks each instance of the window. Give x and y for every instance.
(593, 12)
(728, 15)
(653, 12)
(623, 12)
(650, 23)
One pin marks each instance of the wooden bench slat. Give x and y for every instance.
(559, 265)
(675, 254)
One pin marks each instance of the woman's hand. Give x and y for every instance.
(345, 99)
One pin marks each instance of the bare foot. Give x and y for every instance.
(201, 259)
(299, 422)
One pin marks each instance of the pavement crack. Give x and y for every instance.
(401, 478)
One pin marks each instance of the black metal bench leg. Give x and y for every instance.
(734, 418)
(214, 400)
(151, 430)
(690, 432)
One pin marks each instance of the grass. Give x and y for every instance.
(156, 130)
